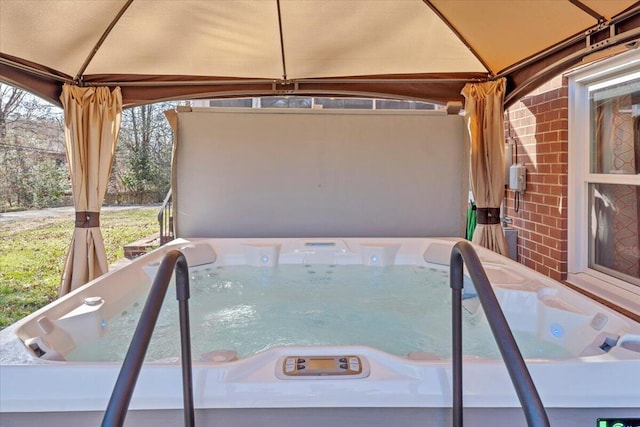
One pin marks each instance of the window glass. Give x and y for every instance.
(345, 103)
(614, 112)
(233, 102)
(384, 104)
(613, 224)
(614, 197)
(285, 102)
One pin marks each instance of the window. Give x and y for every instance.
(285, 102)
(342, 103)
(385, 104)
(233, 102)
(604, 173)
(614, 203)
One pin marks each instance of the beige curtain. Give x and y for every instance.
(484, 114)
(92, 122)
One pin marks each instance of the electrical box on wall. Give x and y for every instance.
(508, 156)
(518, 178)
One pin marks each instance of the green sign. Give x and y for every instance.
(618, 422)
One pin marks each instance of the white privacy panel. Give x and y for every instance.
(319, 173)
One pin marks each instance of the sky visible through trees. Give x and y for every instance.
(33, 166)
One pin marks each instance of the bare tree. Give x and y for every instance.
(144, 148)
(10, 99)
(33, 170)
(32, 167)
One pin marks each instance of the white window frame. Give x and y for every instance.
(620, 292)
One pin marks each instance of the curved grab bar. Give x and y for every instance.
(126, 382)
(526, 390)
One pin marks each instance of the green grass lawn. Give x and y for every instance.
(32, 255)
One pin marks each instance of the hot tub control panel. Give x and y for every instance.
(323, 367)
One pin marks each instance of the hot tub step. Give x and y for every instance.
(142, 246)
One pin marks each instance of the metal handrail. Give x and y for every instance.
(123, 390)
(165, 219)
(526, 390)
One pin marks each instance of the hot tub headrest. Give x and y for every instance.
(198, 254)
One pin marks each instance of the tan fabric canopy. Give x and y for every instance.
(92, 123)
(417, 49)
(485, 118)
(177, 49)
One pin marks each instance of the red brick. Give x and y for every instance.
(563, 203)
(550, 136)
(558, 146)
(544, 251)
(551, 263)
(536, 218)
(550, 116)
(542, 218)
(533, 175)
(542, 269)
(550, 179)
(557, 190)
(547, 158)
(544, 168)
(536, 198)
(551, 200)
(557, 255)
(557, 103)
(550, 221)
(542, 229)
(543, 147)
(564, 90)
(550, 242)
(556, 275)
(543, 107)
(544, 127)
(536, 238)
(535, 256)
(543, 209)
(557, 233)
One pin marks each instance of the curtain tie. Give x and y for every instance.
(87, 219)
(488, 215)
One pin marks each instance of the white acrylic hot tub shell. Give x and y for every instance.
(607, 383)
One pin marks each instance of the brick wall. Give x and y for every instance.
(538, 128)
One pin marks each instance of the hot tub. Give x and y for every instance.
(59, 365)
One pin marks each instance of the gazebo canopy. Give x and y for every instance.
(414, 49)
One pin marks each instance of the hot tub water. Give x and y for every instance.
(398, 309)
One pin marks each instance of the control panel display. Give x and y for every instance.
(321, 364)
(326, 367)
